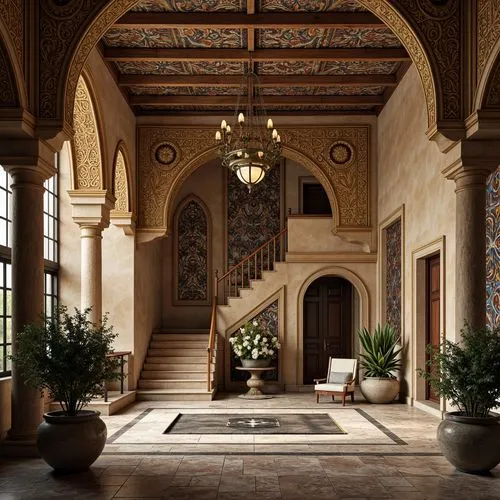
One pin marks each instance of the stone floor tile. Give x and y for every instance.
(206, 481)
(191, 493)
(237, 484)
(264, 483)
(144, 486)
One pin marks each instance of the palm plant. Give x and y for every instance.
(380, 357)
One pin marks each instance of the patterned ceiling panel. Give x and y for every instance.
(224, 110)
(177, 38)
(357, 68)
(158, 91)
(349, 91)
(309, 6)
(327, 38)
(181, 68)
(287, 91)
(227, 111)
(287, 68)
(190, 5)
(271, 109)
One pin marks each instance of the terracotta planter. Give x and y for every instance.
(71, 443)
(255, 363)
(471, 444)
(379, 390)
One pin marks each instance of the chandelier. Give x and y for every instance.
(251, 146)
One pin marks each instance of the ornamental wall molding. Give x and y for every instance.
(8, 94)
(347, 187)
(488, 32)
(12, 23)
(86, 147)
(121, 180)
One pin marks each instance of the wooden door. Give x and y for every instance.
(433, 313)
(327, 325)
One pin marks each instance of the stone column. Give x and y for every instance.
(91, 211)
(470, 172)
(29, 164)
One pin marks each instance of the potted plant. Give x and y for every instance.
(380, 359)
(254, 345)
(66, 356)
(467, 373)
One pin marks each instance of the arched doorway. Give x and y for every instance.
(327, 324)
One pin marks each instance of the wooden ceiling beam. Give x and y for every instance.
(265, 80)
(259, 55)
(254, 20)
(189, 100)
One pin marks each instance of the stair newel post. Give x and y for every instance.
(248, 271)
(274, 251)
(216, 285)
(255, 266)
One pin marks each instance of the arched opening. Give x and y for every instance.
(328, 324)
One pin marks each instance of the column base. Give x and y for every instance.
(19, 448)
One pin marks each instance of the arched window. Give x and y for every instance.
(192, 253)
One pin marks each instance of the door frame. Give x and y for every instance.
(361, 317)
(419, 317)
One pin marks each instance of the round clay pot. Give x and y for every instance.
(379, 390)
(471, 444)
(71, 443)
(255, 363)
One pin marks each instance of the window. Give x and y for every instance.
(50, 253)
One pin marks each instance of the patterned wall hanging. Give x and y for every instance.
(493, 249)
(393, 276)
(252, 218)
(192, 261)
(268, 319)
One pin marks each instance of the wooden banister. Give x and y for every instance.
(213, 332)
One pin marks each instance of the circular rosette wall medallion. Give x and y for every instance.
(341, 154)
(165, 154)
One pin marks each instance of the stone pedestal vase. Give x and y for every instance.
(255, 363)
(471, 444)
(71, 443)
(379, 390)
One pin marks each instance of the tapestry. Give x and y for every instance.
(393, 276)
(252, 218)
(268, 319)
(192, 253)
(493, 250)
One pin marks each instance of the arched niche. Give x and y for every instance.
(121, 181)
(192, 262)
(87, 141)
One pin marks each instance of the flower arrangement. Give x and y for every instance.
(254, 342)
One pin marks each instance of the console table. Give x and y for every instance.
(255, 383)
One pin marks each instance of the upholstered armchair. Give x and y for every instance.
(340, 379)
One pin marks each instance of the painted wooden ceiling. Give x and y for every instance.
(321, 56)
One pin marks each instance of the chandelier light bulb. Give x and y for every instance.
(270, 124)
(278, 139)
(228, 129)
(241, 118)
(218, 136)
(275, 134)
(260, 154)
(223, 124)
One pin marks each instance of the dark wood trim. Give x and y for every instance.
(282, 100)
(244, 20)
(264, 80)
(166, 112)
(182, 54)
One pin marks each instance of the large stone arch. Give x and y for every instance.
(87, 145)
(414, 23)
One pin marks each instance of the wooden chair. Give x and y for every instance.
(340, 380)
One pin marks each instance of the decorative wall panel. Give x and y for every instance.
(393, 283)
(488, 31)
(252, 218)
(12, 18)
(121, 185)
(268, 319)
(347, 185)
(192, 253)
(8, 97)
(493, 249)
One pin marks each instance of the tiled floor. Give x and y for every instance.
(388, 452)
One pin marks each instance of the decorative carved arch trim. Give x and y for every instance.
(87, 144)
(121, 181)
(364, 312)
(12, 91)
(200, 242)
(488, 90)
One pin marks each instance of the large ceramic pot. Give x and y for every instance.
(471, 444)
(379, 390)
(71, 443)
(255, 363)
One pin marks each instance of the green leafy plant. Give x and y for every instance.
(380, 357)
(66, 355)
(252, 341)
(467, 373)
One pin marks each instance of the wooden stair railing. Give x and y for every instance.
(212, 335)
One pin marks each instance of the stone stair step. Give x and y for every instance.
(157, 365)
(174, 395)
(160, 353)
(179, 344)
(172, 384)
(174, 375)
(164, 347)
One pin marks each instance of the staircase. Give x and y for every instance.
(176, 367)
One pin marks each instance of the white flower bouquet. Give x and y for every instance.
(253, 342)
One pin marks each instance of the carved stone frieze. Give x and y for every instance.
(86, 143)
(488, 31)
(12, 21)
(8, 97)
(121, 184)
(347, 186)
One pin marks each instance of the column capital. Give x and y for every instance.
(91, 208)
(28, 160)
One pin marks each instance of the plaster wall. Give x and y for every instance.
(409, 174)
(5, 405)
